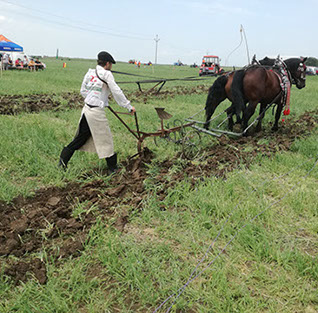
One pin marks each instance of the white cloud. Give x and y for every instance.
(2, 18)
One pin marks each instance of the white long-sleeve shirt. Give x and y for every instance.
(96, 92)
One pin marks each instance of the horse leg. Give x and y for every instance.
(260, 118)
(237, 109)
(239, 120)
(230, 112)
(248, 112)
(238, 97)
(277, 116)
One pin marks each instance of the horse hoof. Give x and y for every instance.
(237, 128)
(274, 128)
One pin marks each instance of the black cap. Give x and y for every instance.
(105, 56)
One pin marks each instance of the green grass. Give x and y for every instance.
(271, 266)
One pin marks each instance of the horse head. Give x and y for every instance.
(267, 61)
(297, 69)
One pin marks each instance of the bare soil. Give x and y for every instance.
(47, 220)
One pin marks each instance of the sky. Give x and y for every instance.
(187, 29)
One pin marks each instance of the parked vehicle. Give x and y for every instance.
(210, 65)
(179, 63)
(311, 70)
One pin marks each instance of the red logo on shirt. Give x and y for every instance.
(93, 79)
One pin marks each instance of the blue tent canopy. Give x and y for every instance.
(8, 45)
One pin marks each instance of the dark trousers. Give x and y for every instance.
(83, 135)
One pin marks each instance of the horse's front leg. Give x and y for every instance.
(239, 120)
(248, 112)
(277, 116)
(260, 118)
(230, 112)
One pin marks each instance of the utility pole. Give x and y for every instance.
(247, 51)
(156, 40)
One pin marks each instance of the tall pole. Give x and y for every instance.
(156, 40)
(247, 51)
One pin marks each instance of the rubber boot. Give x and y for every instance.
(112, 164)
(65, 156)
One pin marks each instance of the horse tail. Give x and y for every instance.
(216, 95)
(238, 93)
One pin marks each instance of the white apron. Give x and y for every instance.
(101, 141)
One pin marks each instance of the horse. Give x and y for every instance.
(261, 85)
(221, 90)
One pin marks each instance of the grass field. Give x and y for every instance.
(56, 79)
(266, 210)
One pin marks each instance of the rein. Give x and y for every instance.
(285, 83)
(162, 81)
(290, 77)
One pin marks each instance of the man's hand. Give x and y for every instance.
(133, 110)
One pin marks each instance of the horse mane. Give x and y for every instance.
(219, 84)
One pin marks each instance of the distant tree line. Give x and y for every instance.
(312, 61)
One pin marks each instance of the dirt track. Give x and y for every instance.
(46, 220)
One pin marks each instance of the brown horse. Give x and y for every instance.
(222, 89)
(261, 85)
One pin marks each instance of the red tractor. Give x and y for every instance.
(210, 65)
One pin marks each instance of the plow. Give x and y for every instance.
(183, 134)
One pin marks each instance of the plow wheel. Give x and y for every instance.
(178, 135)
(162, 140)
(191, 144)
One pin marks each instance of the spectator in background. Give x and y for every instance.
(31, 65)
(10, 62)
(38, 65)
(25, 61)
(18, 63)
(5, 61)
